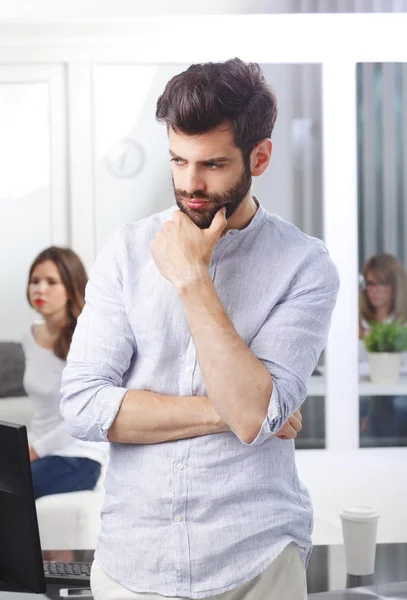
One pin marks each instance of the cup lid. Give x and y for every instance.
(359, 512)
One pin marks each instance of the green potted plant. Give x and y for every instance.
(384, 344)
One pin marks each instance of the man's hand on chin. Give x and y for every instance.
(182, 251)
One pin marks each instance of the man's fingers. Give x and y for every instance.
(287, 433)
(291, 427)
(295, 423)
(218, 224)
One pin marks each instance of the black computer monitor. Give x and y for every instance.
(21, 565)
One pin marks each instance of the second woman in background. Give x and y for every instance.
(383, 299)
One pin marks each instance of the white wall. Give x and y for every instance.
(339, 479)
(32, 186)
(124, 100)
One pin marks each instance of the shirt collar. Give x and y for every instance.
(254, 223)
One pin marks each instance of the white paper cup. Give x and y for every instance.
(359, 528)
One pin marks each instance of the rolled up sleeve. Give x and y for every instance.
(102, 349)
(292, 338)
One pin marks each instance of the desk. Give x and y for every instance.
(316, 387)
(387, 590)
(326, 570)
(63, 556)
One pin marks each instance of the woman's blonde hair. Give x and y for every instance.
(388, 270)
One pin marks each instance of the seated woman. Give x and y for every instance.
(56, 289)
(383, 299)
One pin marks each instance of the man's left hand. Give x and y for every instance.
(291, 427)
(182, 251)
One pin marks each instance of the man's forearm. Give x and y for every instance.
(150, 418)
(237, 383)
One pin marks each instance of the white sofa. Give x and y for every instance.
(16, 410)
(66, 521)
(70, 521)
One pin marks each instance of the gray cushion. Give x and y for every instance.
(11, 369)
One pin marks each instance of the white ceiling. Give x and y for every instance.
(119, 9)
(85, 10)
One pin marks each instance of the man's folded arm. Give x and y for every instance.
(94, 404)
(291, 340)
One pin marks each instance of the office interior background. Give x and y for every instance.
(80, 152)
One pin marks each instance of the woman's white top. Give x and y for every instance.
(48, 434)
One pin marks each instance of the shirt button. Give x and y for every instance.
(177, 518)
(188, 369)
(180, 467)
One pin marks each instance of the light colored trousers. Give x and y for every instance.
(284, 579)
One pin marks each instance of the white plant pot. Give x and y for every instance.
(384, 366)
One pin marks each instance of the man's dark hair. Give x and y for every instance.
(207, 94)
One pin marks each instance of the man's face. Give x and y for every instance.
(208, 173)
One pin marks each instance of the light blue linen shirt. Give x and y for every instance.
(200, 516)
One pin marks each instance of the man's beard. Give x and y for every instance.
(231, 199)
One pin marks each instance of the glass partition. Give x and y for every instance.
(25, 193)
(382, 151)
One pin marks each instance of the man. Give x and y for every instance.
(201, 328)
